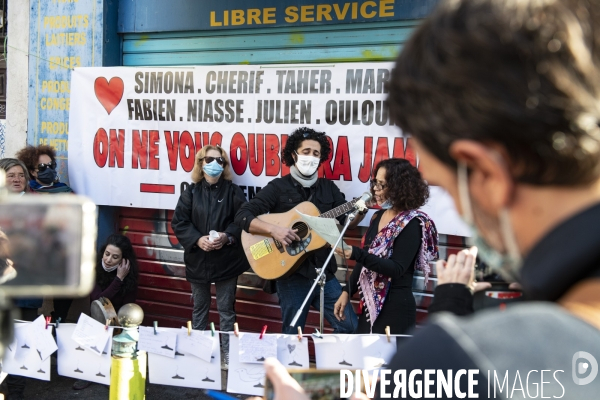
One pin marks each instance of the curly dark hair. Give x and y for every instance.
(31, 154)
(406, 189)
(104, 278)
(295, 140)
(510, 73)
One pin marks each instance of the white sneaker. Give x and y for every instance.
(225, 361)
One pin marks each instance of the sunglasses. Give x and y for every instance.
(42, 167)
(219, 160)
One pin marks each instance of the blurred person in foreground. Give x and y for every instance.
(502, 99)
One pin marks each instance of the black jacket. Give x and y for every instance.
(283, 194)
(200, 209)
(565, 256)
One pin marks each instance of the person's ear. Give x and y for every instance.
(490, 182)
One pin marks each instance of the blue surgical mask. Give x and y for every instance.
(507, 264)
(387, 205)
(213, 169)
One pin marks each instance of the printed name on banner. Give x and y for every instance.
(144, 126)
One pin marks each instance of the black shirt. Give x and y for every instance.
(283, 194)
(399, 309)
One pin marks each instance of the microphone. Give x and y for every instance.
(365, 197)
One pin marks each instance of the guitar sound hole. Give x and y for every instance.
(302, 229)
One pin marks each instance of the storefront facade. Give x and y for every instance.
(242, 32)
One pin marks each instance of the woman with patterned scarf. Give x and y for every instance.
(400, 239)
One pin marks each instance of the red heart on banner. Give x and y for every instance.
(109, 94)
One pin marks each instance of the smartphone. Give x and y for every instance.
(47, 245)
(318, 384)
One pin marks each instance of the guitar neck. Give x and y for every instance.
(336, 212)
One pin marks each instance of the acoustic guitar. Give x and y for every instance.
(271, 259)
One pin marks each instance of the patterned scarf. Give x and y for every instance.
(373, 287)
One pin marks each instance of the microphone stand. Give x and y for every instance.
(320, 280)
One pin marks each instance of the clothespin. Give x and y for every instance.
(155, 327)
(57, 322)
(236, 329)
(264, 329)
(387, 333)
(189, 325)
(212, 328)
(317, 334)
(299, 334)
(48, 320)
(107, 323)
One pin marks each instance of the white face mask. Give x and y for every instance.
(109, 269)
(307, 165)
(508, 263)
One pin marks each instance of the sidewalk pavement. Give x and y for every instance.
(61, 388)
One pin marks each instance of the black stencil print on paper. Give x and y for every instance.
(254, 375)
(177, 376)
(292, 352)
(207, 379)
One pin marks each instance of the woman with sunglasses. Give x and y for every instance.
(41, 164)
(399, 240)
(203, 224)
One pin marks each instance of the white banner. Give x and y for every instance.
(134, 131)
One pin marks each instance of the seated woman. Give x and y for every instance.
(400, 239)
(116, 278)
(116, 272)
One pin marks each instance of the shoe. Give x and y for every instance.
(80, 385)
(225, 361)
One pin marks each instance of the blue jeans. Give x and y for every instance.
(291, 294)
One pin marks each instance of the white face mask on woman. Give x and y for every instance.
(307, 165)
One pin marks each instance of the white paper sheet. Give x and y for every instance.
(255, 350)
(354, 351)
(186, 370)
(338, 352)
(163, 343)
(326, 228)
(291, 352)
(244, 378)
(44, 342)
(197, 344)
(77, 362)
(377, 351)
(91, 334)
(25, 360)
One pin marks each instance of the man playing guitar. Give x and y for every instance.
(305, 150)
